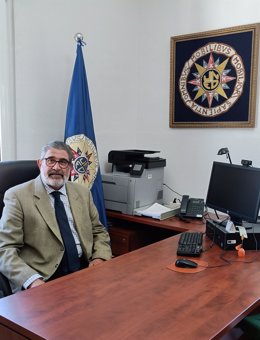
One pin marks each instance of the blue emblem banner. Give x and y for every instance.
(80, 135)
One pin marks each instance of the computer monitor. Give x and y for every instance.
(235, 190)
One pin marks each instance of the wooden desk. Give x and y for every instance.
(135, 296)
(172, 223)
(129, 232)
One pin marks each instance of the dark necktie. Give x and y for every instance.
(71, 262)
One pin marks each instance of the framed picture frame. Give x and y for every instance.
(213, 78)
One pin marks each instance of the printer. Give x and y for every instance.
(136, 180)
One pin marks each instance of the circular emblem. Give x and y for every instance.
(85, 160)
(81, 165)
(212, 80)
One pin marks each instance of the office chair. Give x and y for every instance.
(11, 174)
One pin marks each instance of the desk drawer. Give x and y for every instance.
(8, 333)
(124, 240)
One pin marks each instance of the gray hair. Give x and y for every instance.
(59, 146)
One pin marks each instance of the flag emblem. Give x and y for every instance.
(85, 160)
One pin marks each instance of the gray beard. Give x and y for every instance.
(54, 183)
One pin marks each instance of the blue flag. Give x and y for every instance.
(80, 136)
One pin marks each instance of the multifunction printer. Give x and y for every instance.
(136, 180)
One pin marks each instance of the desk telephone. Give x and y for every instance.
(191, 207)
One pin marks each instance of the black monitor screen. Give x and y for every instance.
(235, 190)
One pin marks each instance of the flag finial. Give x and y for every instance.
(79, 39)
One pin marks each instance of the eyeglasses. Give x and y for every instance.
(51, 162)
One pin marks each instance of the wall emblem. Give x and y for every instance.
(210, 84)
(213, 78)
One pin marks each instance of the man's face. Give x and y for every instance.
(53, 174)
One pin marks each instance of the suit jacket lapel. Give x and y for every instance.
(76, 207)
(43, 204)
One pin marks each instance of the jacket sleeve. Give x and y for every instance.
(11, 242)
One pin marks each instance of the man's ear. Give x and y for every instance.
(39, 163)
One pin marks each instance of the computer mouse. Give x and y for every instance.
(184, 263)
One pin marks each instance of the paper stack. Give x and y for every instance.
(158, 211)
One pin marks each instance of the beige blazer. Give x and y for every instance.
(30, 240)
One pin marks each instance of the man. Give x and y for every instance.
(34, 247)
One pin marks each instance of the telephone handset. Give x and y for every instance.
(192, 207)
(184, 204)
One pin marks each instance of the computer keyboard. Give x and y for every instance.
(190, 244)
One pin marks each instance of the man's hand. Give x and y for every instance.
(95, 262)
(36, 283)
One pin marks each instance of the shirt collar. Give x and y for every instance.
(50, 190)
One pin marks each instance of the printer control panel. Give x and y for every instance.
(137, 169)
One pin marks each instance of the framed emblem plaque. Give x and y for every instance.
(213, 80)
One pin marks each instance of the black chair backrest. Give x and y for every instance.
(15, 172)
(5, 288)
(11, 174)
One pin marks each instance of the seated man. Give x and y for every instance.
(50, 227)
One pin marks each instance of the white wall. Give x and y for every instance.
(7, 82)
(189, 152)
(127, 59)
(45, 54)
